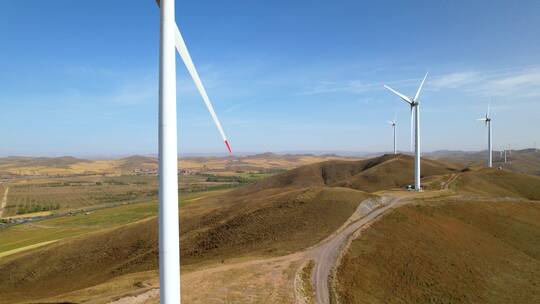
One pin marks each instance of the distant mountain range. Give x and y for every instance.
(523, 161)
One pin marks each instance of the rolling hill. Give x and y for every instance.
(446, 252)
(384, 172)
(500, 183)
(272, 224)
(522, 161)
(264, 221)
(293, 210)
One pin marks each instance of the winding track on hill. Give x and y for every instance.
(451, 179)
(4, 201)
(327, 253)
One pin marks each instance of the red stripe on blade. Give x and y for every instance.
(228, 146)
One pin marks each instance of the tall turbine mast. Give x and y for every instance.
(487, 120)
(393, 124)
(169, 236)
(415, 110)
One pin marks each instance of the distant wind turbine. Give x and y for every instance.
(487, 120)
(169, 241)
(393, 124)
(415, 113)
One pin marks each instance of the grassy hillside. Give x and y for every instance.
(273, 222)
(461, 252)
(394, 173)
(78, 263)
(384, 172)
(20, 236)
(499, 183)
(291, 211)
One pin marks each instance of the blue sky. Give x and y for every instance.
(80, 77)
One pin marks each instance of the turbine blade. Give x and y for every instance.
(420, 88)
(489, 109)
(405, 98)
(184, 54)
(482, 119)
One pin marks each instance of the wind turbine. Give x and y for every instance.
(487, 120)
(169, 239)
(393, 124)
(415, 114)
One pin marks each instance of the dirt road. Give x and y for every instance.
(451, 179)
(327, 253)
(4, 202)
(142, 298)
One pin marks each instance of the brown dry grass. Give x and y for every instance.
(500, 183)
(273, 217)
(307, 285)
(460, 252)
(384, 172)
(270, 224)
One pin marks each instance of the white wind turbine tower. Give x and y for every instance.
(393, 124)
(487, 120)
(415, 113)
(169, 240)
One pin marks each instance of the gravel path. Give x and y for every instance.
(327, 253)
(4, 202)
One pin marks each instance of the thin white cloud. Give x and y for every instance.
(525, 83)
(516, 83)
(454, 80)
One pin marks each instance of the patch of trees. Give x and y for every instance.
(31, 208)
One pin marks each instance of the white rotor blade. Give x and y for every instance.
(482, 119)
(405, 98)
(489, 109)
(184, 54)
(420, 88)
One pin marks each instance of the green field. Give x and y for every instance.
(33, 233)
(69, 226)
(60, 194)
